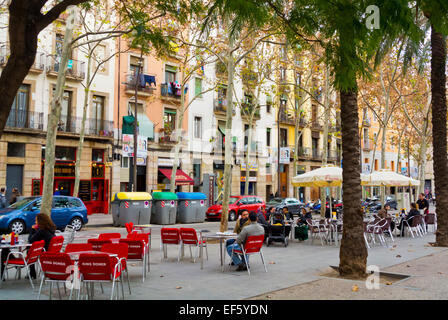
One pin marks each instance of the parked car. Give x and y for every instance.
(374, 204)
(20, 216)
(292, 204)
(236, 205)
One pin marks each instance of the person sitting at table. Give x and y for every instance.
(44, 229)
(303, 216)
(261, 219)
(253, 229)
(413, 212)
(240, 224)
(384, 213)
(286, 213)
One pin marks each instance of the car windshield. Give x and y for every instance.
(232, 200)
(22, 203)
(276, 200)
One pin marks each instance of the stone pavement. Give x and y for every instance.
(298, 264)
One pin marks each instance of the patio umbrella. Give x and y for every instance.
(326, 176)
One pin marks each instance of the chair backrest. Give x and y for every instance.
(430, 218)
(120, 249)
(55, 265)
(188, 236)
(416, 220)
(139, 236)
(170, 235)
(113, 235)
(98, 243)
(95, 266)
(56, 244)
(136, 248)
(35, 251)
(75, 247)
(253, 244)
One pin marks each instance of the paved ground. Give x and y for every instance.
(298, 267)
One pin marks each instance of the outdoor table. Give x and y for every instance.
(75, 254)
(17, 245)
(221, 237)
(333, 230)
(86, 237)
(292, 224)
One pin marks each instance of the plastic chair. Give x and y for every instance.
(31, 258)
(146, 237)
(56, 268)
(169, 236)
(99, 268)
(98, 243)
(128, 227)
(414, 224)
(431, 220)
(76, 247)
(109, 236)
(137, 252)
(189, 236)
(252, 245)
(56, 244)
(316, 228)
(121, 250)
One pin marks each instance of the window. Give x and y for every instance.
(62, 153)
(251, 200)
(170, 74)
(60, 202)
(392, 165)
(125, 162)
(16, 149)
(134, 65)
(268, 168)
(197, 127)
(243, 201)
(283, 137)
(198, 87)
(97, 155)
(99, 56)
(20, 107)
(98, 113)
(74, 203)
(268, 137)
(246, 134)
(169, 120)
(376, 164)
(268, 104)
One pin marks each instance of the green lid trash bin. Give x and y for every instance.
(164, 208)
(191, 207)
(132, 207)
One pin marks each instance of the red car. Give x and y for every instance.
(236, 205)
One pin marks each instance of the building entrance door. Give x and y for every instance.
(14, 179)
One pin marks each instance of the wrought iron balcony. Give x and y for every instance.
(142, 87)
(75, 69)
(247, 108)
(39, 61)
(220, 106)
(93, 127)
(24, 119)
(168, 91)
(286, 118)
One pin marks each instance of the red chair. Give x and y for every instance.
(32, 258)
(169, 236)
(77, 247)
(98, 243)
(56, 244)
(189, 236)
(109, 236)
(137, 252)
(128, 227)
(56, 268)
(252, 245)
(121, 250)
(99, 268)
(146, 237)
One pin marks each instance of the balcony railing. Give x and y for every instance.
(24, 119)
(75, 68)
(286, 118)
(367, 146)
(168, 91)
(93, 127)
(333, 155)
(142, 87)
(39, 61)
(316, 154)
(247, 109)
(316, 125)
(304, 152)
(220, 106)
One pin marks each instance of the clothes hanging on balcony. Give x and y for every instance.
(170, 87)
(142, 80)
(149, 80)
(177, 89)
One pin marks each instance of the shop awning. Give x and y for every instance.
(181, 177)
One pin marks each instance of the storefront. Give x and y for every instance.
(94, 192)
(253, 169)
(165, 169)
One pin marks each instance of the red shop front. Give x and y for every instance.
(94, 192)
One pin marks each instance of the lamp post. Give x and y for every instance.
(134, 167)
(283, 101)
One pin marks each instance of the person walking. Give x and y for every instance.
(3, 201)
(14, 196)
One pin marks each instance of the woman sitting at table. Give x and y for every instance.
(303, 216)
(44, 229)
(414, 212)
(384, 213)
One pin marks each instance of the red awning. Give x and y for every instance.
(181, 177)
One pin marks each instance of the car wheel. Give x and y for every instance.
(76, 222)
(17, 226)
(232, 216)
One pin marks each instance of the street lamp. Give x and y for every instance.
(283, 101)
(134, 167)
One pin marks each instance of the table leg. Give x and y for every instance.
(222, 256)
(202, 255)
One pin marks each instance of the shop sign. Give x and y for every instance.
(252, 166)
(62, 169)
(164, 162)
(98, 170)
(285, 155)
(251, 179)
(128, 146)
(141, 161)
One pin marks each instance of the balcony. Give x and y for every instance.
(247, 108)
(142, 89)
(315, 125)
(220, 107)
(169, 93)
(367, 146)
(286, 118)
(23, 119)
(166, 136)
(93, 127)
(37, 67)
(316, 154)
(75, 69)
(304, 152)
(333, 155)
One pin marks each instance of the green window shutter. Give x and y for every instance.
(198, 87)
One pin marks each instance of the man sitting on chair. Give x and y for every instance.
(253, 229)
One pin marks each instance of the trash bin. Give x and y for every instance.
(132, 207)
(191, 207)
(164, 208)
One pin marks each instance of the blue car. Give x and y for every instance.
(21, 216)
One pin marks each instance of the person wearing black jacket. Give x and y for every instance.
(44, 229)
(413, 212)
(303, 216)
(423, 204)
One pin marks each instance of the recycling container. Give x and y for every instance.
(164, 208)
(191, 207)
(132, 207)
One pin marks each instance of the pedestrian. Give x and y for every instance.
(3, 201)
(14, 196)
(423, 204)
(57, 192)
